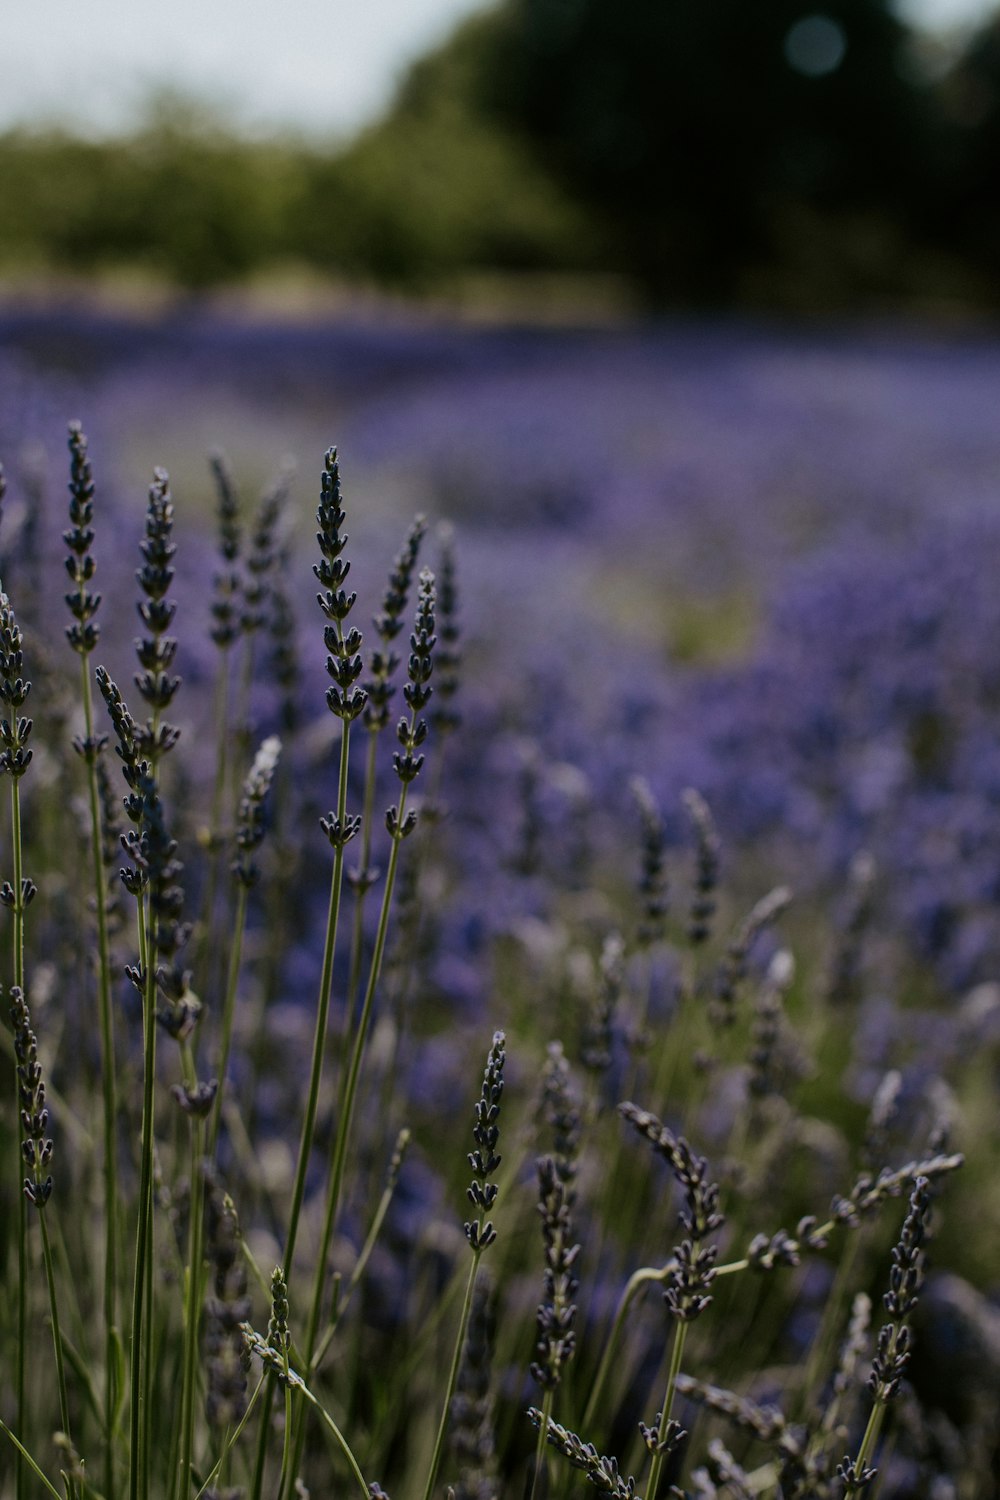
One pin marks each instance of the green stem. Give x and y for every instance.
(228, 1013)
(284, 1478)
(875, 1420)
(826, 1334)
(108, 1084)
(25, 1457)
(139, 1355)
(215, 820)
(315, 1077)
(357, 934)
(353, 1464)
(346, 1114)
(633, 1287)
(242, 734)
(456, 1360)
(15, 809)
(360, 1264)
(231, 1439)
(56, 1336)
(322, 1015)
(677, 1354)
(543, 1432)
(192, 1309)
(22, 1216)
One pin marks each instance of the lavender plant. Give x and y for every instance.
(390, 1348)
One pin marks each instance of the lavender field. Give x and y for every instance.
(708, 821)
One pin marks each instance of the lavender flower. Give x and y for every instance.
(485, 1159)
(15, 729)
(561, 1112)
(227, 583)
(905, 1281)
(445, 718)
(603, 1472)
(653, 879)
(343, 664)
(598, 1034)
(225, 1309)
(36, 1148)
(412, 732)
(388, 623)
(83, 605)
(706, 867)
(250, 824)
(556, 1338)
(692, 1274)
(156, 650)
(264, 553)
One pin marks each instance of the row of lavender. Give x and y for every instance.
(859, 719)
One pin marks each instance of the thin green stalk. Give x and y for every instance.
(56, 1337)
(456, 1360)
(357, 934)
(22, 1215)
(241, 735)
(678, 1042)
(15, 810)
(360, 1263)
(22, 1315)
(228, 1013)
(875, 1419)
(543, 1429)
(315, 1077)
(353, 1464)
(677, 1354)
(287, 1445)
(25, 1457)
(826, 1334)
(322, 1013)
(285, 1477)
(108, 1085)
(346, 1113)
(192, 1307)
(633, 1287)
(231, 1439)
(215, 816)
(138, 1418)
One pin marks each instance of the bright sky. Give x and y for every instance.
(325, 66)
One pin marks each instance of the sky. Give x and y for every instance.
(325, 67)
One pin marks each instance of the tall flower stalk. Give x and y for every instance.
(227, 587)
(83, 636)
(345, 701)
(480, 1233)
(411, 733)
(691, 1275)
(894, 1342)
(381, 690)
(36, 1149)
(15, 756)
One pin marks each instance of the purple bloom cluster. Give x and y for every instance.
(814, 511)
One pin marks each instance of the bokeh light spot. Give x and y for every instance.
(815, 46)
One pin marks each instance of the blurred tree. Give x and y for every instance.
(968, 207)
(691, 128)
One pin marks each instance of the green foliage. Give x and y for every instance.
(706, 150)
(433, 191)
(183, 198)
